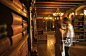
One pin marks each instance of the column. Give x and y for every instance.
(46, 25)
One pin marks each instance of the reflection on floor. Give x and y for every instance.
(50, 45)
(48, 48)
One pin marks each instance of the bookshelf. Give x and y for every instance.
(14, 7)
(39, 23)
(17, 15)
(79, 26)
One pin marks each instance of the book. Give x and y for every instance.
(24, 10)
(16, 19)
(10, 18)
(3, 27)
(24, 21)
(84, 22)
(24, 32)
(25, 25)
(24, 29)
(16, 39)
(14, 29)
(79, 17)
(5, 44)
(3, 34)
(18, 3)
(17, 51)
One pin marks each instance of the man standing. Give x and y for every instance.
(68, 35)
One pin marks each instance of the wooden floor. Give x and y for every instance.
(48, 49)
(78, 50)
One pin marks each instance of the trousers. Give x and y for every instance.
(67, 51)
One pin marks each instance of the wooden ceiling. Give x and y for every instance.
(45, 8)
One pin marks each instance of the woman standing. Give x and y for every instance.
(58, 35)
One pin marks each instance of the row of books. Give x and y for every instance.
(12, 30)
(39, 23)
(78, 33)
(78, 28)
(78, 37)
(78, 23)
(20, 5)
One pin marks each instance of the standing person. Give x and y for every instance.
(58, 36)
(68, 35)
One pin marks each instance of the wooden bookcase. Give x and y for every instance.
(25, 16)
(80, 26)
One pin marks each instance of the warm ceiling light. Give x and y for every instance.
(81, 14)
(72, 13)
(58, 13)
(55, 18)
(48, 17)
(84, 12)
(19, 10)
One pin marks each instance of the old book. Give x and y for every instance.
(79, 16)
(3, 27)
(17, 50)
(24, 29)
(24, 21)
(24, 10)
(24, 32)
(16, 39)
(14, 29)
(18, 3)
(16, 19)
(10, 18)
(3, 34)
(25, 25)
(5, 43)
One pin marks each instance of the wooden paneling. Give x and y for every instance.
(53, 7)
(68, 2)
(48, 7)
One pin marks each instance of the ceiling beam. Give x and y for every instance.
(44, 13)
(59, 2)
(53, 7)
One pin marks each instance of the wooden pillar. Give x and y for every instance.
(50, 25)
(46, 25)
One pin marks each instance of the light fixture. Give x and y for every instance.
(55, 18)
(84, 12)
(58, 13)
(48, 17)
(72, 13)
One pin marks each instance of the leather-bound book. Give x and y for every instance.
(18, 3)
(25, 10)
(25, 25)
(16, 39)
(16, 19)
(3, 27)
(24, 21)
(10, 18)
(5, 43)
(3, 34)
(14, 29)
(24, 29)
(79, 17)
(24, 32)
